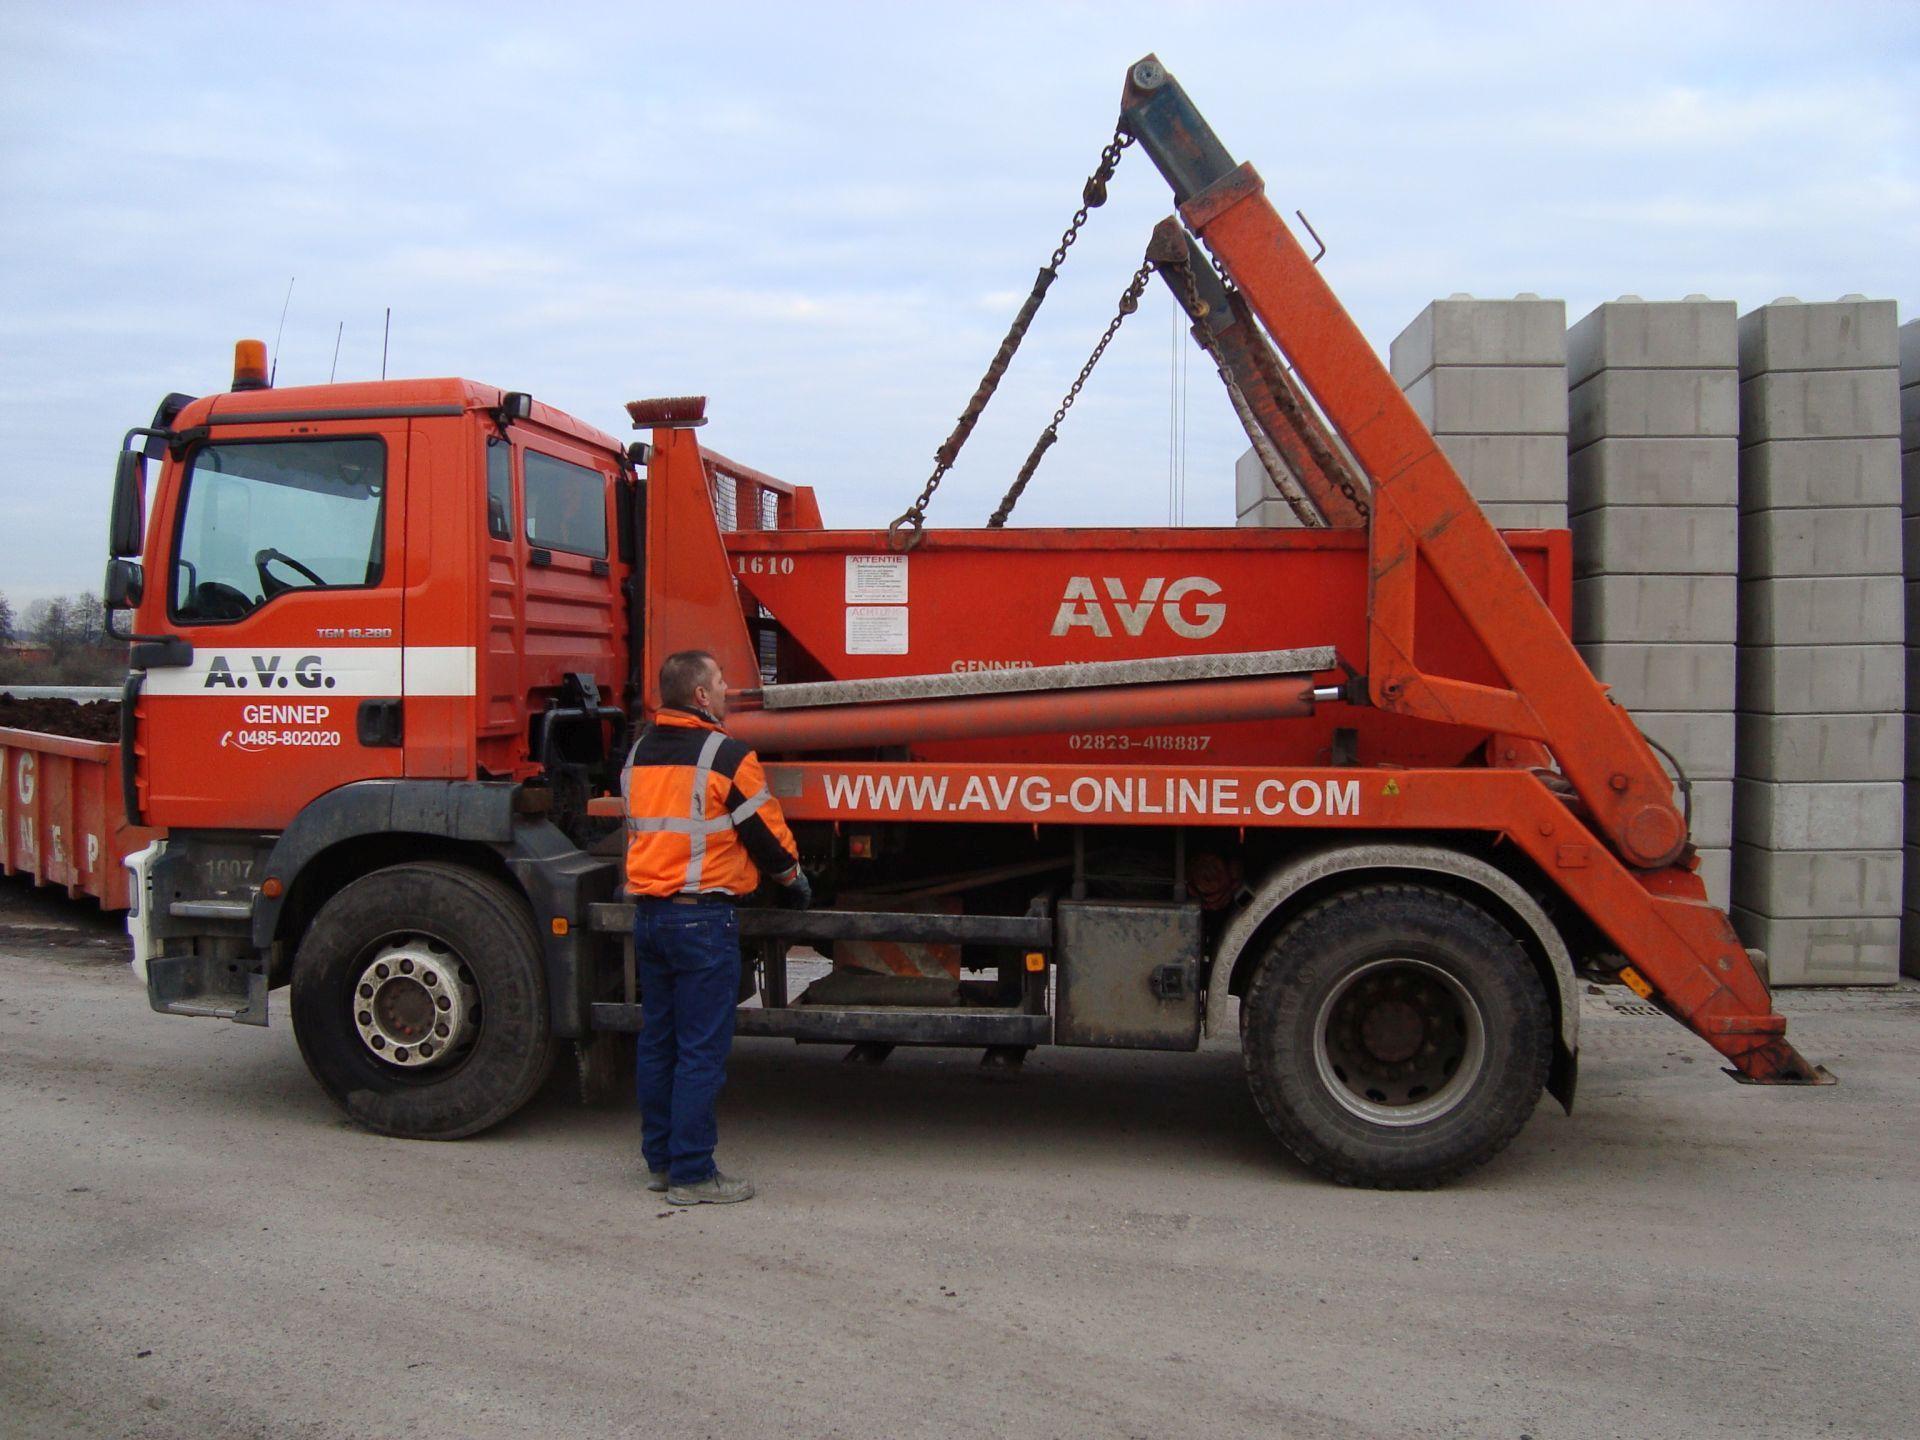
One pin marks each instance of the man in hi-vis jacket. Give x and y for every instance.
(702, 828)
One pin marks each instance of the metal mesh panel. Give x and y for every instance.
(769, 509)
(769, 656)
(723, 500)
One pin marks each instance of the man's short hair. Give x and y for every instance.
(681, 673)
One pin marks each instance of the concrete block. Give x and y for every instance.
(1701, 740)
(1510, 469)
(1909, 341)
(1713, 806)
(1251, 483)
(1795, 474)
(1635, 333)
(1252, 486)
(1642, 609)
(1464, 331)
(1841, 951)
(1508, 516)
(1806, 883)
(1796, 815)
(1493, 400)
(1822, 679)
(1658, 540)
(1821, 610)
(1854, 333)
(1861, 540)
(1654, 403)
(1665, 677)
(1270, 515)
(1910, 415)
(1653, 472)
(1716, 873)
(1822, 747)
(1819, 405)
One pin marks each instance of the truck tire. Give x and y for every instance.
(1395, 1036)
(420, 1002)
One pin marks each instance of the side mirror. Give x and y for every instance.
(515, 405)
(125, 531)
(126, 583)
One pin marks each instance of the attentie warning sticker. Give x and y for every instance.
(876, 629)
(876, 580)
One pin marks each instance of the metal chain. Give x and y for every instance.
(904, 533)
(1129, 302)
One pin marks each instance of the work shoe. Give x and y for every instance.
(716, 1189)
(657, 1181)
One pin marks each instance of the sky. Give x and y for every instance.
(822, 216)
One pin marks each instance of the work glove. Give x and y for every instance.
(797, 893)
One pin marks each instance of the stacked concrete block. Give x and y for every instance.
(1489, 378)
(1653, 493)
(1910, 532)
(1820, 746)
(1256, 500)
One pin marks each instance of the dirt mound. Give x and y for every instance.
(75, 719)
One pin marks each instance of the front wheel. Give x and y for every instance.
(1395, 1036)
(420, 1003)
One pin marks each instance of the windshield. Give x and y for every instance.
(263, 517)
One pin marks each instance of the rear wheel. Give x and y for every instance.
(420, 1003)
(1395, 1036)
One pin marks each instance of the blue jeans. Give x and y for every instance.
(688, 960)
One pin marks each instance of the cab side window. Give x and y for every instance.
(499, 489)
(566, 505)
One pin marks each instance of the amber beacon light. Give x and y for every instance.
(250, 365)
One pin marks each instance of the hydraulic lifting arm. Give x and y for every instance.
(1275, 410)
(1421, 512)
(1421, 508)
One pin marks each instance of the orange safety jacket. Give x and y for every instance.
(700, 819)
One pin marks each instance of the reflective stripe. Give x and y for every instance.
(626, 785)
(654, 824)
(697, 851)
(747, 806)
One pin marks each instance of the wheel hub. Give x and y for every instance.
(1393, 1031)
(1399, 1042)
(415, 1004)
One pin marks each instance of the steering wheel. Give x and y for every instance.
(270, 586)
(216, 600)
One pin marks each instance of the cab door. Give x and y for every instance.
(284, 571)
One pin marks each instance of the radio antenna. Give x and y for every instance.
(271, 374)
(336, 351)
(385, 334)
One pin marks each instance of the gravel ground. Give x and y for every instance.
(195, 1244)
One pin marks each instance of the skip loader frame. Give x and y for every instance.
(1620, 873)
(1055, 786)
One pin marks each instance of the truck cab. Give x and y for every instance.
(369, 582)
(368, 619)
